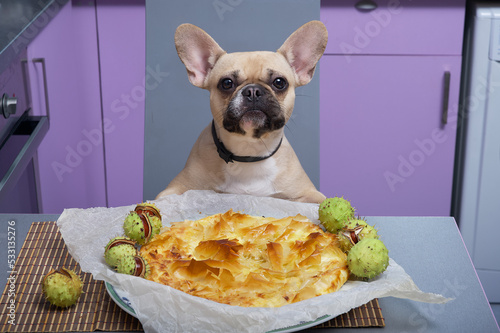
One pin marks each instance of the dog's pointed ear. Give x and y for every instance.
(304, 48)
(198, 51)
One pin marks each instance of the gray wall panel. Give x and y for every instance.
(176, 111)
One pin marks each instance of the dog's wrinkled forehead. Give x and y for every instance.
(251, 67)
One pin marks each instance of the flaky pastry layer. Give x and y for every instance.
(245, 260)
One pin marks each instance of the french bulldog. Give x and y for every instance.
(252, 94)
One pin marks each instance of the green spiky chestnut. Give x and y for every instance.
(138, 227)
(154, 214)
(368, 258)
(117, 248)
(354, 231)
(334, 213)
(62, 287)
(133, 265)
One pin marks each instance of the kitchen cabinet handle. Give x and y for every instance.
(366, 5)
(45, 87)
(446, 98)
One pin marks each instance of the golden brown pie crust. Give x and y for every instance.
(245, 260)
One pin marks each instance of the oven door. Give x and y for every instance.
(20, 135)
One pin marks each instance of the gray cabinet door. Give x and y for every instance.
(176, 111)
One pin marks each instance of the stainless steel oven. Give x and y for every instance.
(20, 136)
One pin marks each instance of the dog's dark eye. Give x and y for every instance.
(226, 84)
(280, 83)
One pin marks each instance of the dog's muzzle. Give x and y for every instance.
(253, 104)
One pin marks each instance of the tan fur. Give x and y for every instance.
(279, 176)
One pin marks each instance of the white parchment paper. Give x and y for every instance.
(163, 309)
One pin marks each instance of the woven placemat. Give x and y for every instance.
(24, 308)
(42, 251)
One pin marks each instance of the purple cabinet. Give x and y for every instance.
(92, 154)
(384, 144)
(403, 27)
(70, 158)
(122, 56)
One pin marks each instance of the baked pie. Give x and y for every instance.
(245, 260)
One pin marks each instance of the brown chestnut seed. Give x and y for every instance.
(133, 265)
(352, 234)
(117, 242)
(140, 267)
(148, 210)
(148, 230)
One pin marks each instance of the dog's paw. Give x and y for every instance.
(312, 197)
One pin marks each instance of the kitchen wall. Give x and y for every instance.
(98, 80)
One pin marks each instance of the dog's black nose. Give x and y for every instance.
(252, 92)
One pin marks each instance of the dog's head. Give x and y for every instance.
(251, 93)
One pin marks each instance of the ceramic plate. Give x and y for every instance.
(123, 302)
(120, 300)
